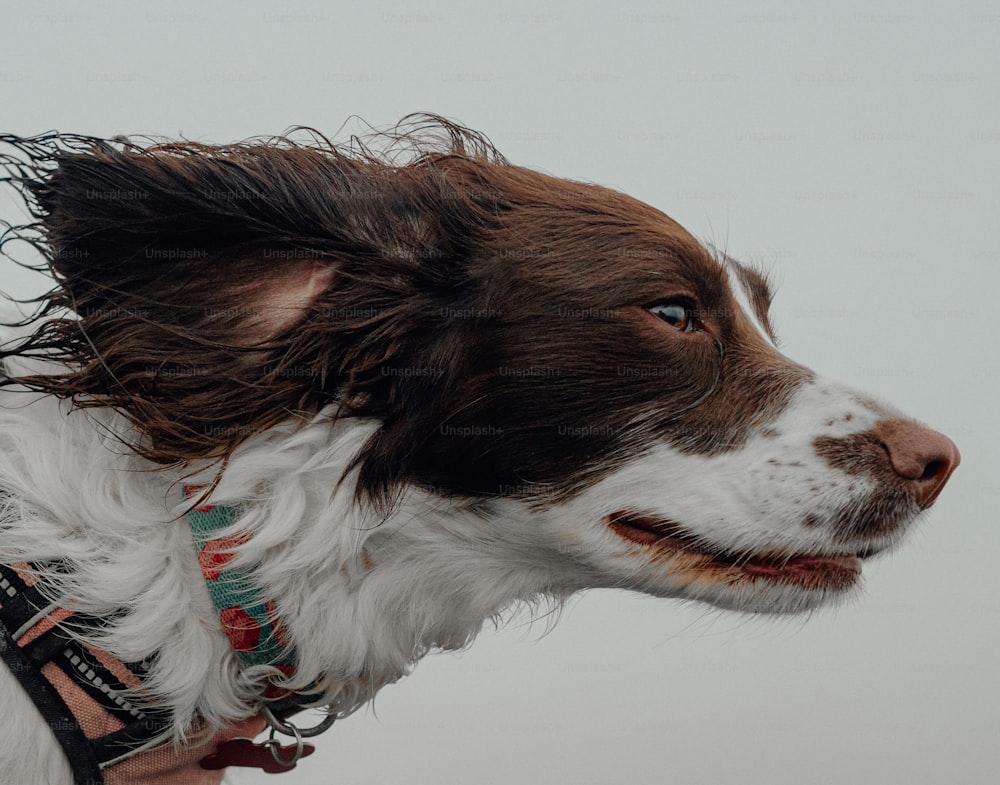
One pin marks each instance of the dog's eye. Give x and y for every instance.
(676, 314)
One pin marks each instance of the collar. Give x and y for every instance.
(250, 622)
(84, 693)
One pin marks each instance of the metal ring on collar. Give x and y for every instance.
(291, 730)
(275, 745)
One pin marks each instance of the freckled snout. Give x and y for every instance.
(921, 456)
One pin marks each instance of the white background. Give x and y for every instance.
(852, 149)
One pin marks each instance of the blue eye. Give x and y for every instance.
(676, 314)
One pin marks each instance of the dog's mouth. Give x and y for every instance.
(692, 560)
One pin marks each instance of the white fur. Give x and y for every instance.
(736, 501)
(439, 571)
(743, 300)
(362, 598)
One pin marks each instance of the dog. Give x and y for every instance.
(415, 384)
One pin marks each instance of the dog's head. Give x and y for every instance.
(522, 342)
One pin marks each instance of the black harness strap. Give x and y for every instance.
(69, 734)
(24, 608)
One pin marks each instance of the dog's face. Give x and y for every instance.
(626, 382)
(522, 342)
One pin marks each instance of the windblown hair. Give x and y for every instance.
(209, 292)
(164, 257)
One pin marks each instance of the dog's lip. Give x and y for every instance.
(667, 538)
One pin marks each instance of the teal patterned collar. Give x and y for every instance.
(256, 635)
(249, 620)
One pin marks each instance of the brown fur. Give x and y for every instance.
(491, 317)
(864, 455)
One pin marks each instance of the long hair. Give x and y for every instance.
(164, 257)
(476, 309)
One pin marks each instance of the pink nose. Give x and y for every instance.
(923, 457)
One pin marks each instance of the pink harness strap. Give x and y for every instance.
(84, 692)
(87, 694)
(172, 765)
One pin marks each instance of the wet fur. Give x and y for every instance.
(426, 375)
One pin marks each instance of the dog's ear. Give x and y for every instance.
(213, 240)
(213, 291)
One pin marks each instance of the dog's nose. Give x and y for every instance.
(923, 457)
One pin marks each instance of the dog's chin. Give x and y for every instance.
(775, 581)
(771, 599)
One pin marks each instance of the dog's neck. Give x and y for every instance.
(362, 597)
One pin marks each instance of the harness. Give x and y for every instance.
(78, 689)
(83, 692)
